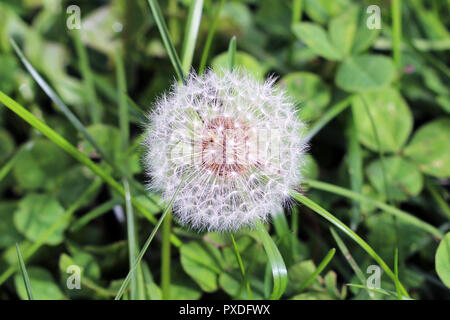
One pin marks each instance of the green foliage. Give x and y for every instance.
(43, 284)
(391, 115)
(35, 214)
(365, 72)
(310, 91)
(429, 148)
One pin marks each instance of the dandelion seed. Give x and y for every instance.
(239, 139)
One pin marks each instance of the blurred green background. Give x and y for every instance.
(377, 102)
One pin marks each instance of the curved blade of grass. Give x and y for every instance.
(348, 256)
(55, 98)
(319, 269)
(232, 53)
(149, 240)
(159, 19)
(95, 108)
(190, 33)
(94, 213)
(23, 269)
(331, 113)
(349, 232)
(76, 154)
(210, 37)
(241, 267)
(402, 215)
(396, 15)
(63, 219)
(279, 271)
(285, 235)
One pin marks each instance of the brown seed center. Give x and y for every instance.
(225, 146)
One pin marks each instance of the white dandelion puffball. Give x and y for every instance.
(229, 144)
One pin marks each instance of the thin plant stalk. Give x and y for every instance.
(318, 270)
(331, 113)
(168, 44)
(25, 277)
(95, 107)
(210, 37)
(149, 239)
(165, 257)
(241, 267)
(190, 35)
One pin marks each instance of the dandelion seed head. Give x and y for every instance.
(237, 139)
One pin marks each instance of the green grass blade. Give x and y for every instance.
(165, 257)
(95, 108)
(396, 15)
(190, 34)
(23, 269)
(355, 169)
(232, 53)
(210, 37)
(349, 232)
(401, 215)
(348, 256)
(331, 113)
(76, 154)
(319, 269)
(59, 103)
(241, 267)
(94, 213)
(149, 240)
(381, 291)
(279, 271)
(131, 233)
(152, 289)
(124, 124)
(74, 120)
(159, 19)
(397, 282)
(351, 261)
